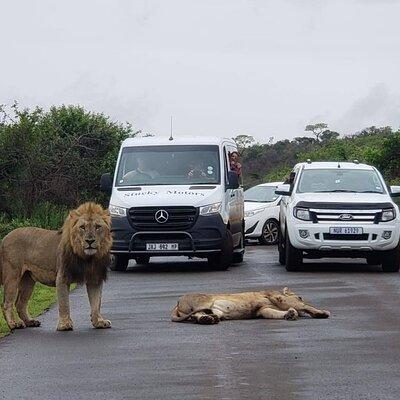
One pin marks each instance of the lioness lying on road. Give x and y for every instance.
(77, 253)
(212, 308)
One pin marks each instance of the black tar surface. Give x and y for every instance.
(353, 355)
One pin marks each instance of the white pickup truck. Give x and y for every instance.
(338, 209)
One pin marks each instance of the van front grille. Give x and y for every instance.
(178, 218)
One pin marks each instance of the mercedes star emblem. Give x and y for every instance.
(161, 216)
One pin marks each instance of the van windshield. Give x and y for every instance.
(169, 165)
(340, 180)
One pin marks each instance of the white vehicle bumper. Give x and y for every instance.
(319, 237)
(254, 225)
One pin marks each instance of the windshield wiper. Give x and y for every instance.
(336, 191)
(370, 191)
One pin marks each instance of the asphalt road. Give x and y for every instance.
(353, 355)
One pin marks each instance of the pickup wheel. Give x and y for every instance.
(391, 260)
(119, 263)
(281, 249)
(294, 257)
(224, 259)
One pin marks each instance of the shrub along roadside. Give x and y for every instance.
(45, 215)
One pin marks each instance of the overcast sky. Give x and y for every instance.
(220, 67)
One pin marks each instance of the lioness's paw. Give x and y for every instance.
(206, 320)
(291, 314)
(32, 323)
(322, 314)
(65, 325)
(102, 324)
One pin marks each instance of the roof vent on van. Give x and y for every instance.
(308, 161)
(356, 162)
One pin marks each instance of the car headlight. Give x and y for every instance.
(251, 213)
(211, 209)
(302, 213)
(115, 210)
(388, 215)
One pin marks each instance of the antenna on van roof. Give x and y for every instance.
(171, 137)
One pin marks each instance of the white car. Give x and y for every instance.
(339, 209)
(261, 213)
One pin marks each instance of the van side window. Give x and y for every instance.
(235, 162)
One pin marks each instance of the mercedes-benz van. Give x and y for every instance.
(176, 197)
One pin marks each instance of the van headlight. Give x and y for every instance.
(388, 215)
(302, 213)
(115, 210)
(251, 213)
(211, 209)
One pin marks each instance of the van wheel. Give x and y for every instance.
(294, 257)
(281, 249)
(270, 232)
(224, 259)
(391, 260)
(119, 263)
(142, 260)
(238, 254)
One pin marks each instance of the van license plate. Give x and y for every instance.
(162, 246)
(345, 230)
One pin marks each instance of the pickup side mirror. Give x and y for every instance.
(395, 191)
(106, 183)
(233, 180)
(283, 190)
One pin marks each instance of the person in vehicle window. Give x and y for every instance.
(142, 171)
(196, 170)
(234, 162)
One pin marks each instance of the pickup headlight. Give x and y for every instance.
(250, 213)
(302, 213)
(115, 210)
(388, 215)
(211, 209)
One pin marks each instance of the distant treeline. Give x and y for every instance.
(271, 162)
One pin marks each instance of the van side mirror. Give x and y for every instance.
(233, 180)
(395, 191)
(283, 190)
(106, 183)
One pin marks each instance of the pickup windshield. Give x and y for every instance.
(340, 181)
(260, 194)
(169, 165)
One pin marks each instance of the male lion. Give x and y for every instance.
(212, 308)
(78, 253)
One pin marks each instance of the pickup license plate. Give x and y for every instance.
(345, 230)
(162, 246)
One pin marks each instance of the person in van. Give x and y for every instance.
(234, 163)
(142, 172)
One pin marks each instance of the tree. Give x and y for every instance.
(317, 129)
(55, 156)
(244, 141)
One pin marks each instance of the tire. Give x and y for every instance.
(270, 232)
(374, 259)
(294, 257)
(238, 256)
(281, 249)
(142, 260)
(391, 260)
(224, 259)
(119, 263)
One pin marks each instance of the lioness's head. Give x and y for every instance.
(87, 231)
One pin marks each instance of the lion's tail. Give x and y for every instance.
(177, 316)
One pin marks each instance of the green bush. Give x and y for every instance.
(55, 156)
